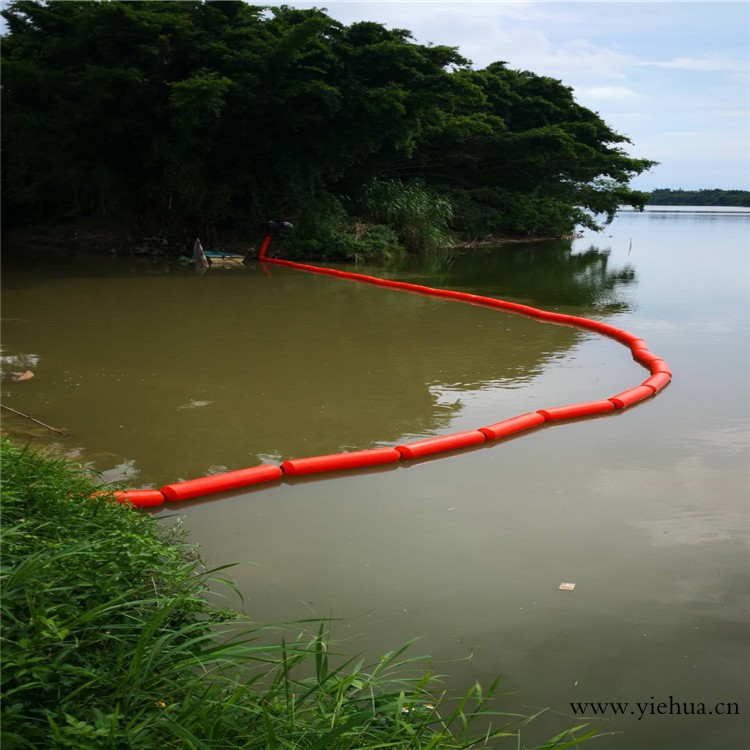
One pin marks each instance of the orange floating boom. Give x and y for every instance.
(661, 375)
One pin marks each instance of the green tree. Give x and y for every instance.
(706, 197)
(198, 117)
(526, 158)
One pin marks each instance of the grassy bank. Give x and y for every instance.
(108, 641)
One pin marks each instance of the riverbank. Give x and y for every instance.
(109, 641)
(87, 239)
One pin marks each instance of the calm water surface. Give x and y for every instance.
(158, 375)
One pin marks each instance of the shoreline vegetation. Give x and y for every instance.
(97, 239)
(193, 119)
(134, 128)
(705, 197)
(104, 237)
(109, 641)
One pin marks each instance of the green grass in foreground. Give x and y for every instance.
(109, 642)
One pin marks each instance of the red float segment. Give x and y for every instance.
(632, 396)
(553, 317)
(427, 290)
(512, 425)
(621, 335)
(644, 356)
(440, 444)
(577, 320)
(420, 289)
(637, 343)
(378, 282)
(430, 291)
(140, 498)
(136, 498)
(513, 307)
(395, 284)
(323, 271)
(229, 480)
(625, 337)
(474, 299)
(264, 247)
(659, 365)
(334, 272)
(608, 330)
(657, 381)
(339, 461)
(571, 411)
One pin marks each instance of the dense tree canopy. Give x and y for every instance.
(712, 197)
(182, 116)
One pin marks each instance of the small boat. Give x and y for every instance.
(223, 259)
(204, 259)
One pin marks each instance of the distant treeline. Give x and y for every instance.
(195, 118)
(668, 197)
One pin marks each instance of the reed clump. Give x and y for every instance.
(109, 641)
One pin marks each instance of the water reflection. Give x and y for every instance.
(645, 510)
(184, 373)
(549, 273)
(189, 373)
(15, 364)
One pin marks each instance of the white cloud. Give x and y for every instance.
(608, 93)
(702, 64)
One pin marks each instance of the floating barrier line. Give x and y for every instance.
(660, 376)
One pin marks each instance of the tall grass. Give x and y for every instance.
(419, 216)
(109, 642)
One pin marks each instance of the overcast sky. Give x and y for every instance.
(672, 76)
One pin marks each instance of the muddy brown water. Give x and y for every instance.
(160, 375)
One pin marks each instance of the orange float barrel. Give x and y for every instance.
(396, 285)
(466, 297)
(341, 274)
(373, 280)
(513, 307)
(644, 356)
(417, 288)
(340, 461)
(476, 299)
(553, 317)
(312, 269)
(621, 335)
(281, 262)
(229, 480)
(631, 396)
(573, 411)
(440, 444)
(659, 365)
(264, 247)
(657, 381)
(608, 330)
(140, 498)
(136, 498)
(434, 292)
(626, 337)
(512, 425)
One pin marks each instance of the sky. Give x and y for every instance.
(674, 77)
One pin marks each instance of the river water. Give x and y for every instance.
(159, 374)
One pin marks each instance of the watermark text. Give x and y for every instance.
(669, 707)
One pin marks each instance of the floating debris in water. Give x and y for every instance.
(567, 586)
(195, 404)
